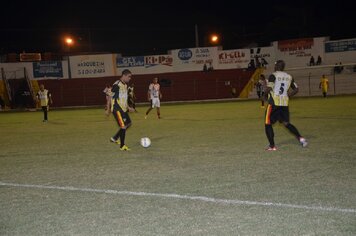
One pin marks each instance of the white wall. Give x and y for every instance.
(340, 51)
(297, 52)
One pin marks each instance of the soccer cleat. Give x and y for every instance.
(303, 142)
(271, 148)
(114, 141)
(125, 148)
(145, 117)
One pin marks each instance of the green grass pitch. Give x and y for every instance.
(206, 172)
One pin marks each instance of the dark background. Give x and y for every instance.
(154, 27)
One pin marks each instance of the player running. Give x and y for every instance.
(278, 86)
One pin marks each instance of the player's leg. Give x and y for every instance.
(127, 124)
(45, 115)
(292, 128)
(149, 109)
(269, 120)
(118, 119)
(158, 105)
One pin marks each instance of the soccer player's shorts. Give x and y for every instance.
(276, 113)
(155, 102)
(122, 118)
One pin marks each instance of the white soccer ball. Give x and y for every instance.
(145, 142)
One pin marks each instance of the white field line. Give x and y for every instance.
(186, 197)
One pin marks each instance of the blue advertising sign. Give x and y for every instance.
(341, 46)
(47, 69)
(130, 61)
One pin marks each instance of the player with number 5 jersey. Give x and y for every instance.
(280, 87)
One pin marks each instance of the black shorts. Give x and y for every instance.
(276, 113)
(122, 118)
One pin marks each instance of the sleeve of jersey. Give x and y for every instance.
(271, 80)
(115, 88)
(293, 85)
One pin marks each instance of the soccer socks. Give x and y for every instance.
(293, 130)
(117, 135)
(270, 135)
(122, 137)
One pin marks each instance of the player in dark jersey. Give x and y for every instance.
(120, 108)
(278, 93)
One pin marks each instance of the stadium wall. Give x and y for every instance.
(180, 86)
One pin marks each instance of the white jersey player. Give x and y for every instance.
(154, 95)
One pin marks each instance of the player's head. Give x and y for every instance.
(155, 80)
(41, 87)
(262, 77)
(279, 65)
(126, 75)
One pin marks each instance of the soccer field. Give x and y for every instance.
(206, 172)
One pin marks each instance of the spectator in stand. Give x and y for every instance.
(318, 61)
(258, 63)
(312, 61)
(205, 68)
(264, 63)
(210, 68)
(251, 65)
(338, 68)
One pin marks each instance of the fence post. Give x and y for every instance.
(309, 84)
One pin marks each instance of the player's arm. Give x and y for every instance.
(269, 85)
(294, 89)
(50, 97)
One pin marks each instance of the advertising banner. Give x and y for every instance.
(145, 64)
(89, 66)
(195, 59)
(232, 59)
(47, 69)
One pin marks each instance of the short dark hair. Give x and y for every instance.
(126, 72)
(280, 65)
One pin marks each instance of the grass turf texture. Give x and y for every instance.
(215, 150)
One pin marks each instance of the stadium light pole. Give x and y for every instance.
(196, 36)
(69, 42)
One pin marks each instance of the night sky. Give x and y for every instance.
(154, 27)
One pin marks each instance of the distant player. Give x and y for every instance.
(120, 108)
(278, 86)
(324, 85)
(154, 95)
(260, 88)
(108, 95)
(132, 96)
(43, 97)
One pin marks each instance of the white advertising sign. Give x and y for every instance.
(89, 66)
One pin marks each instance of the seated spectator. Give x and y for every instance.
(251, 65)
(338, 68)
(264, 63)
(312, 61)
(318, 61)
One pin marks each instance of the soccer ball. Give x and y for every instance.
(145, 142)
